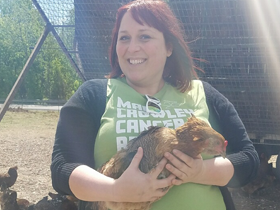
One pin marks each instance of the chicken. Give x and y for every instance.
(192, 138)
(61, 197)
(9, 201)
(8, 179)
(264, 177)
(58, 202)
(23, 204)
(43, 204)
(68, 202)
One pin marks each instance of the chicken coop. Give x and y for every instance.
(236, 43)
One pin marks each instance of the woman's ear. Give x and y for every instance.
(169, 48)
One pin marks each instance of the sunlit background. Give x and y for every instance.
(239, 39)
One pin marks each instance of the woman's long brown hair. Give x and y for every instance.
(179, 69)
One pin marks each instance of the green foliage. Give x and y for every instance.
(51, 75)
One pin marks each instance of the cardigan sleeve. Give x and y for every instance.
(240, 150)
(77, 128)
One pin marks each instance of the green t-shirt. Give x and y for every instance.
(125, 117)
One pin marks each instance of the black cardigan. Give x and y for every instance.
(80, 119)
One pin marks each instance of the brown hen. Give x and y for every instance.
(8, 179)
(192, 138)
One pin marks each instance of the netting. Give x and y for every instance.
(237, 38)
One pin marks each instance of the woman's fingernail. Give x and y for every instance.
(168, 166)
(175, 151)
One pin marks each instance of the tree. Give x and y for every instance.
(51, 75)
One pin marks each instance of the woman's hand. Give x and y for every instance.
(184, 167)
(135, 186)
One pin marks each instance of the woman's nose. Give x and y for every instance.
(134, 46)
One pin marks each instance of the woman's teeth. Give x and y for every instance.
(136, 61)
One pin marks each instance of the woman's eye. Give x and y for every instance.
(124, 38)
(145, 37)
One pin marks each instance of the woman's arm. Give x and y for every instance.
(241, 163)
(240, 150)
(73, 163)
(216, 171)
(133, 185)
(76, 131)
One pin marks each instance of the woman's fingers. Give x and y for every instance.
(178, 171)
(177, 182)
(184, 167)
(158, 169)
(136, 186)
(183, 158)
(177, 166)
(166, 182)
(137, 158)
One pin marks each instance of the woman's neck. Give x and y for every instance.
(150, 89)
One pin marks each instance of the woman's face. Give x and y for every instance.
(141, 52)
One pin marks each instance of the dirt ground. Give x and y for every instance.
(26, 140)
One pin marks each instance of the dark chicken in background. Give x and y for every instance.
(9, 201)
(57, 202)
(8, 179)
(264, 178)
(56, 196)
(192, 138)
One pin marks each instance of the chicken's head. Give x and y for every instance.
(202, 137)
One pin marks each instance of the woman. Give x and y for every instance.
(149, 58)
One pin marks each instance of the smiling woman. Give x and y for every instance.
(149, 57)
(142, 54)
(159, 32)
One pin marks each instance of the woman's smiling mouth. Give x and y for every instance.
(136, 61)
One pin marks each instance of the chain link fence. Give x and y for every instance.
(239, 39)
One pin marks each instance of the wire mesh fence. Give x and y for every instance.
(237, 38)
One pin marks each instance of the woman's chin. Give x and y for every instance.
(134, 80)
